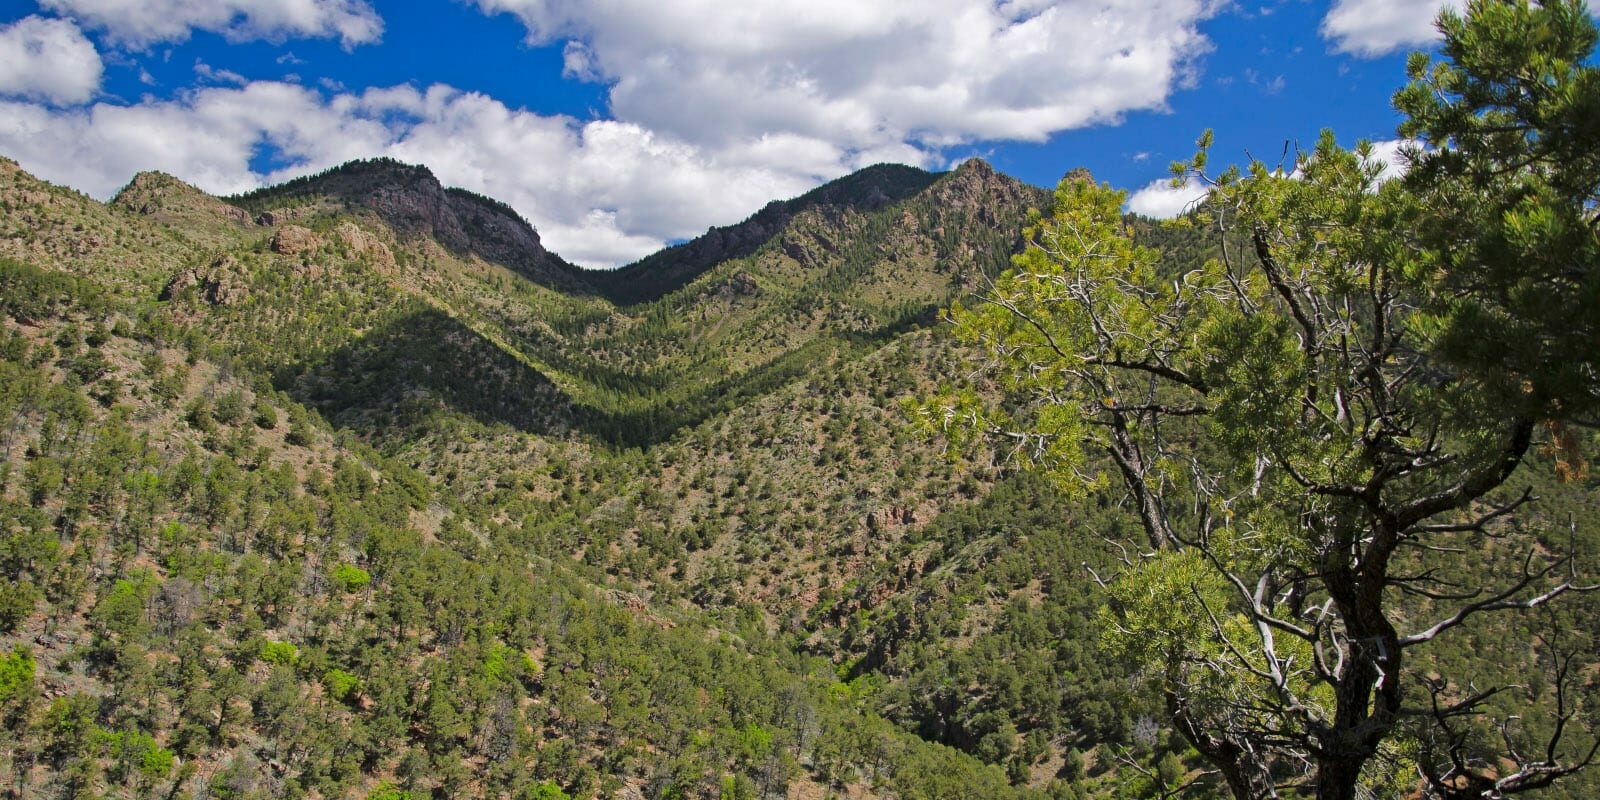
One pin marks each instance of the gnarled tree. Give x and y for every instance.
(1309, 426)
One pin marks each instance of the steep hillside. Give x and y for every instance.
(348, 488)
(110, 244)
(656, 275)
(834, 280)
(838, 271)
(210, 590)
(205, 222)
(264, 606)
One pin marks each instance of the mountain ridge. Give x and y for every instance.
(659, 273)
(410, 199)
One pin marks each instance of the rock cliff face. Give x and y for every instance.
(459, 221)
(365, 245)
(976, 188)
(415, 204)
(292, 240)
(219, 283)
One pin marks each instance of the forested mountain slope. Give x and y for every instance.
(348, 488)
(658, 274)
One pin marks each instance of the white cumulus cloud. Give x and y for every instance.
(1376, 27)
(141, 23)
(1389, 153)
(862, 76)
(1161, 200)
(49, 60)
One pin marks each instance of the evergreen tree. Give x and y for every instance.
(1310, 427)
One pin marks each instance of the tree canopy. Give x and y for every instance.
(1316, 427)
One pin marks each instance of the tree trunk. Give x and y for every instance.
(1367, 694)
(1246, 779)
(1337, 777)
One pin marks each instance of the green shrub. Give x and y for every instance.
(388, 791)
(283, 653)
(31, 294)
(340, 684)
(266, 417)
(351, 578)
(543, 790)
(17, 599)
(16, 674)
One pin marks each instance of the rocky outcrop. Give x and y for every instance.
(282, 216)
(741, 284)
(466, 224)
(220, 283)
(293, 240)
(893, 517)
(417, 207)
(975, 188)
(365, 245)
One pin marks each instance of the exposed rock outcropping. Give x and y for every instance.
(219, 283)
(293, 240)
(365, 245)
(413, 202)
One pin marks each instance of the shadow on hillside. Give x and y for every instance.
(414, 374)
(659, 421)
(423, 371)
(409, 374)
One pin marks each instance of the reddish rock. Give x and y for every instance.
(292, 240)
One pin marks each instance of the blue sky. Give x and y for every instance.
(617, 126)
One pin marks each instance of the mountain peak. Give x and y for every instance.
(972, 177)
(152, 184)
(1078, 174)
(152, 177)
(865, 190)
(975, 184)
(172, 201)
(412, 201)
(974, 166)
(351, 181)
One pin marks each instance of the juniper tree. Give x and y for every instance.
(1307, 424)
